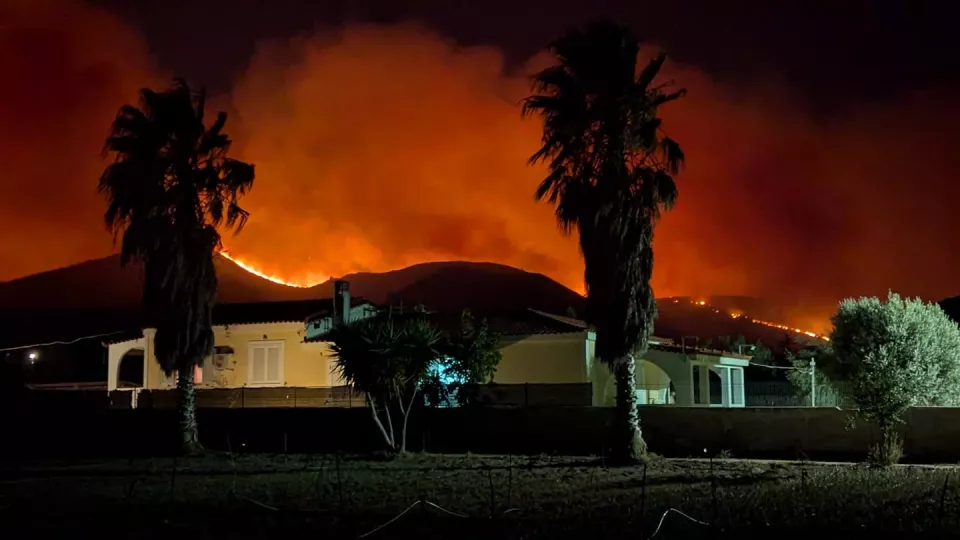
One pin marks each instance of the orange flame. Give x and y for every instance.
(737, 314)
(249, 268)
(787, 328)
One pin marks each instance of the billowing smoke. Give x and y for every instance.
(66, 69)
(381, 146)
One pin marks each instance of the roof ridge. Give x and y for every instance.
(576, 323)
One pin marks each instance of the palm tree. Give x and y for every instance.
(611, 172)
(169, 190)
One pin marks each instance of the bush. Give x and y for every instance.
(895, 355)
(888, 451)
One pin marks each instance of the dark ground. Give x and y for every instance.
(493, 497)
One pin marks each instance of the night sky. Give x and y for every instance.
(826, 50)
(820, 136)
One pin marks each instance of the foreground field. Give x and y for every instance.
(472, 497)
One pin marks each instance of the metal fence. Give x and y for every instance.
(496, 395)
(784, 394)
(244, 398)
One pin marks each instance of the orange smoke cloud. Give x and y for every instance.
(382, 146)
(67, 68)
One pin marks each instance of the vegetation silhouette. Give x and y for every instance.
(611, 173)
(170, 190)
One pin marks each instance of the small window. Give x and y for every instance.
(715, 378)
(737, 386)
(266, 363)
(695, 376)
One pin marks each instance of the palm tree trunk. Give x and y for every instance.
(187, 404)
(628, 444)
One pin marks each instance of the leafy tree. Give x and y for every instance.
(387, 358)
(895, 355)
(789, 343)
(470, 359)
(825, 378)
(610, 173)
(732, 345)
(170, 190)
(760, 353)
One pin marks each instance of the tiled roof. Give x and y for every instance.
(270, 312)
(577, 323)
(527, 323)
(122, 336)
(515, 323)
(693, 350)
(20, 328)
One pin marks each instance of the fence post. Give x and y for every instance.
(813, 383)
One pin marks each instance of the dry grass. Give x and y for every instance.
(504, 497)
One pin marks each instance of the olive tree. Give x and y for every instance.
(894, 355)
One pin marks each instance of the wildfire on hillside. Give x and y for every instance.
(246, 266)
(702, 303)
(738, 315)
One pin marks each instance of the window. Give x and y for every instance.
(697, 387)
(266, 363)
(737, 384)
(716, 382)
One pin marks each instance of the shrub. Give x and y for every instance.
(894, 355)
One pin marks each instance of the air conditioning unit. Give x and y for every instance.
(223, 358)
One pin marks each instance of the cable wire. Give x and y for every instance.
(442, 509)
(664, 516)
(411, 507)
(71, 342)
(804, 368)
(398, 516)
(258, 503)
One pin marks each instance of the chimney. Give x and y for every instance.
(341, 302)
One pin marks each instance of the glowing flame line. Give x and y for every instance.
(280, 281)
(258, 273)
(767, 323)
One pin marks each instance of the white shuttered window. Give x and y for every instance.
(266, 363)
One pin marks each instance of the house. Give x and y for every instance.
(281, 344)
(547, 349)
(554, 356)
(261, 344)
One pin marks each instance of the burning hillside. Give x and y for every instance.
(378, 147)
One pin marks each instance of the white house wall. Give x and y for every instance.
(115, 353)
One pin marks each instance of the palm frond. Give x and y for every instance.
(650, 72)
